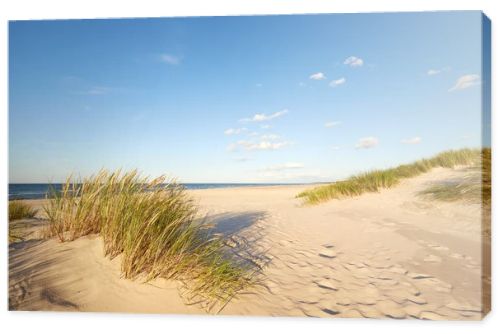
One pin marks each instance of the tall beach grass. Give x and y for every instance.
(379, 179)
(20, 210)
(153, 226)
(475, 187)
(486, 177)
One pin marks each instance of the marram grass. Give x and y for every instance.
(454, 191)
(475, 187)
(20, 210)
(153, 227)
(486, 177)
(376, 180)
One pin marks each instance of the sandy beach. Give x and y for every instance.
(389, 254)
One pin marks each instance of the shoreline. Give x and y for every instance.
(215, 187)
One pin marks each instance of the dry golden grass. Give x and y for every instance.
(20, 210)
(379, 179)
(153, 226)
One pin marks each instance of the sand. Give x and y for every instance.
(390, 254)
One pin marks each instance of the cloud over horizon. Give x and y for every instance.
(317, 76)
(270, 136)
(432, 71)
(338, 82)
(466, 81)
(235, 131)
(263, 145)
(354, 61)
(265, 117)
(367, 142)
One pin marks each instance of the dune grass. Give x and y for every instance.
(379, 179)
(486, 194)
(468, 190)
(153, 226)
(474, 187)
(486, 176)
(20, 210)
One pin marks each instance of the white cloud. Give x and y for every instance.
(236, 131)
(265, 126)
(257, 146)
(331, 124)
(337, 82)
(438, 71)
(335, 148)
(466, 81)
(271, 136)
(317, 76)
(170, 59)
(264, 117)
(354, 61)
(433, 72)
(367, 142)
(285, 166)
(412, 141)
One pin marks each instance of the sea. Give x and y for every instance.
(42, 190)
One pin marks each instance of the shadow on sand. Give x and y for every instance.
(229, 224)
(36, 284)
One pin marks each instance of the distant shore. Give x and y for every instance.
(33, 191)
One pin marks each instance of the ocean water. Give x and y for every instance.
(40, 190)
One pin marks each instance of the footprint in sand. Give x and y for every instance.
(413, 310)
(428, 315)
(330, 308)
(328, 253)
(369, 311)
(344, 301)
(411, 288)
(327, 284)
(331, 311)
(391, 309)
(438, 285)
(457, 256)
(439, 247)
(432, 259)
(352, 313)
(463, 307)
(397, 269)
(419, 276)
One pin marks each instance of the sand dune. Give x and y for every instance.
(390, 254)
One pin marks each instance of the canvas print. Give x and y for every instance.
(333, 166)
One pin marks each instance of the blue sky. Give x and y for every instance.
(241, 99)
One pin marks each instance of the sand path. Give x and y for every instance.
(389, 254)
